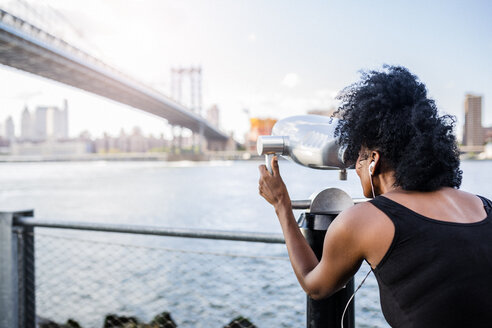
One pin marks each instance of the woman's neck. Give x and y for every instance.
(385, 183)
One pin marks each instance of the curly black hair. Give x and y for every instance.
(389, 111)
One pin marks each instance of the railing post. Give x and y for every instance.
(17, 294)
(322, 210)
(26, 269)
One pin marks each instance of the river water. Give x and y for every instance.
(210, 195)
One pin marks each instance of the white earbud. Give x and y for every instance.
(371, 172)
(371, 168)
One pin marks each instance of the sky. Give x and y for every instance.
(275, 58)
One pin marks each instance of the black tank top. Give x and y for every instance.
(436, 273)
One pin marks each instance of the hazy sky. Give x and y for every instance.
(276, 58)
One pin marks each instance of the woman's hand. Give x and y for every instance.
(342, 250)
(271, 186)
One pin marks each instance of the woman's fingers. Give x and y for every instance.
(263, 170)
(275, 168)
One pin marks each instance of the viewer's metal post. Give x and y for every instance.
(17, 294)
(321, 211)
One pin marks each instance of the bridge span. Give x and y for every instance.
(29, 48)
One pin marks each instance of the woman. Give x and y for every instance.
(428, 243)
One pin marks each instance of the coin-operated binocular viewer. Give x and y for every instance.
(310, 141)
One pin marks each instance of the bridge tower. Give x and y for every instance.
(186, 89)
(191, 77)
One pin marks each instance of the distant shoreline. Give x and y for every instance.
(133, 157)
(150, 157)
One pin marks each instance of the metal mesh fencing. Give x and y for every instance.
(111, 281)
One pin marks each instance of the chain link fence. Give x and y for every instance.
(113, 281)
(61, 274)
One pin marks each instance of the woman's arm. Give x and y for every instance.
(341, 256)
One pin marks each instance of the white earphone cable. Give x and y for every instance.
(372, 188)
(351, 297)
(367, 275)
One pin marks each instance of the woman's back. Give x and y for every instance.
(445, 204)
(436, 271)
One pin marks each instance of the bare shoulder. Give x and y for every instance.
(442, 195)
(359, 214)
(367, 229)
(465, 200)
(464, 195)
(361, 218)
(459, 198)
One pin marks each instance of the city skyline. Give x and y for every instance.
(263, 61)
(472, 111)
(43, 121)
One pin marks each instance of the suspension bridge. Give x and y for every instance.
(29, 48)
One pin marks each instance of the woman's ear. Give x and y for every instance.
(375, 158)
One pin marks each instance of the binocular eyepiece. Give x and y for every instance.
(270, 146)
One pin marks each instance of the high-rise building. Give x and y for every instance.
(473, 133)
(40, 124)
(59, 128)
(9, 129)
(61, 119)
(50, 123)
(27, 125)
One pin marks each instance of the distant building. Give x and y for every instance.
(157, 144)
(258, 127)
(60, 122)
(122, 143)
(50, 148)
(26, 132)
(488, 134)
(4, 146)
(106, 144)
(40, 124)
(49, 122)
(86, 138)
(9, 129)
(137, 142)
(213, 115)
(473, 132)
(27, 125)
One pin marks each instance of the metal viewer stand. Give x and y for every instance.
(320, 212)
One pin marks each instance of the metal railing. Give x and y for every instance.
(103, 275)
(273, 238)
